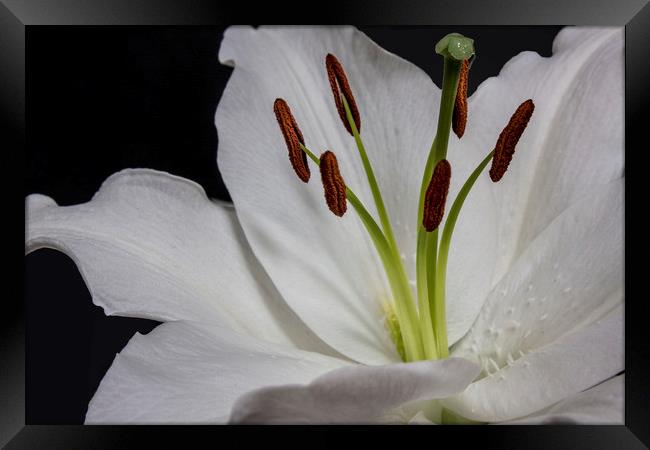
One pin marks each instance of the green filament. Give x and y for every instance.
(432, 312)
(394, 271)
(440, 322)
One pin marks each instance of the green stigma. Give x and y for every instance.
(455, 46)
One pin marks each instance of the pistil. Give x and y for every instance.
(455, 49)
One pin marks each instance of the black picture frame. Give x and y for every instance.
(16, 15)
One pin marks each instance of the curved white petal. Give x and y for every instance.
(188, 372)
(574, 141)
(152, 245)
(355, 394)
(325, 267)
(547, 375)
(570, 275)
(600, 405)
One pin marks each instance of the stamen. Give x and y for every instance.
(508, 138)
(434, 200)
(340, 87)
(333, 183)
(459, 119)
(293, 138)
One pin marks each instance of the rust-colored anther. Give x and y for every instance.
(459, 119)
(293, 138)
(508, 139)
(341, 87)
(333, 183)
(436, 196)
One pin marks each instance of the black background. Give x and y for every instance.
(101, 99)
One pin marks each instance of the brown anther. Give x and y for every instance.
(436, 195)
(293, 138)
(333, 183)
(508, 139)
(341, 87)
(459, 119)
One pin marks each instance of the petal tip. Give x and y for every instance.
(34, 202)
(231, 36)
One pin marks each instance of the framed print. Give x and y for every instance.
(410, 223)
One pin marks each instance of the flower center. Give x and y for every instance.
(418, 329)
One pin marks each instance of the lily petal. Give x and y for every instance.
(152, 245)
(574, 141)
(535, 334)
(548, 375)
(355, 394)
(600, 405)
(325, 267)
(569, 276)
(188, 372)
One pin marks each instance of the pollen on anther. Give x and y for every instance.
(293, 139)
(341, 88)
(333, 183)
(459, 118)
(436, 196)
(505, 147)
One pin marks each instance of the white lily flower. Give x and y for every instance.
(275, 310)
